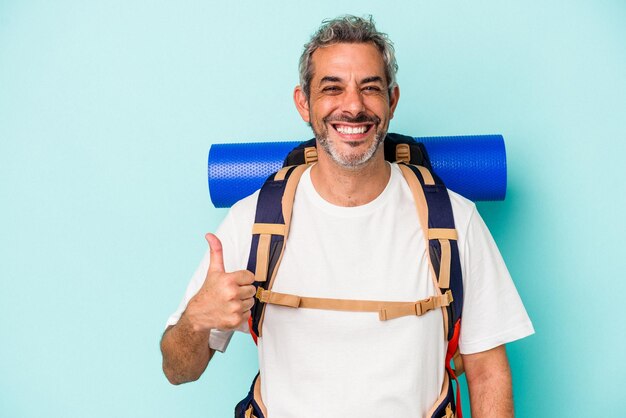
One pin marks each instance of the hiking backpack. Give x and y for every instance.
(271, 228)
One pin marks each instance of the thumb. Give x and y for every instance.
(217, 257)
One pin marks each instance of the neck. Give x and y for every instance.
(346, 187)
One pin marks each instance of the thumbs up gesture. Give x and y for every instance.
(225, 299)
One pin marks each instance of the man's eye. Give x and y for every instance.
(371, 88)
(331, 89)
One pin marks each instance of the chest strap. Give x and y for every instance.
(386, 310)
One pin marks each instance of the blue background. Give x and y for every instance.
(107, 111)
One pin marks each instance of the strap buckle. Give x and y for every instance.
(310, 155)
(403, 153)
(262, 294)
(424, 306)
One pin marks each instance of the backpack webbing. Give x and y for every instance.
(268, 243)
(434, 211)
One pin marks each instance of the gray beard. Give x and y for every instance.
(353, 161)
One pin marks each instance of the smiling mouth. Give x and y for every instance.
(352, 131)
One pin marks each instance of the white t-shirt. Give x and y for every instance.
(334, 364)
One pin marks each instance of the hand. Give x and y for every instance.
(225, 299)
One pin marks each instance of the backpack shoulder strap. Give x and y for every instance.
(434, 212)
(273, 215)
(269, 233)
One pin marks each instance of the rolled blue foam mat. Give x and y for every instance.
(473, 166)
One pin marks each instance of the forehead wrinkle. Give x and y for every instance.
(346, 60)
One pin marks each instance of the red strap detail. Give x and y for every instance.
(254, 336)
(453, 344)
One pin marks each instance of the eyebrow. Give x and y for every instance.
(330, 79)
(333, 79)
(373, 79)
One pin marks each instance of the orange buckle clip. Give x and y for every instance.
(450, 297)
(262, 294)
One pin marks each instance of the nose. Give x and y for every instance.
(352, 101)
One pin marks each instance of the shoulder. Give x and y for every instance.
(241, 215)
(244, 208)
(235, 232)
(464, 211)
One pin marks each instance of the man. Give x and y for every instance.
(354, 235)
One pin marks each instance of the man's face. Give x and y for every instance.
(349, 107)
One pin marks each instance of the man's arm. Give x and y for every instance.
(186, 353)
(489, 381)
(223, 302)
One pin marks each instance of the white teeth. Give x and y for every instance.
(351, 129)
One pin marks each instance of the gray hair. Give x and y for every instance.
(348, 29)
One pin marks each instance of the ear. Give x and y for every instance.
(302, 104)
(393, 100)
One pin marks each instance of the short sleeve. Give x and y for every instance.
(493, 313)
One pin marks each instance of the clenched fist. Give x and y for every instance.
(225, 299)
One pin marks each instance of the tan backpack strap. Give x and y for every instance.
(257, 396)
(272, 229)
(426, 175)
(386, 310)
(289, 196)
(282, 173)
(418, 308)
(262, 257)
(443, 235)
(418, 197)
(267, 230)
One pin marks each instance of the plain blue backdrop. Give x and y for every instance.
(107, 112)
